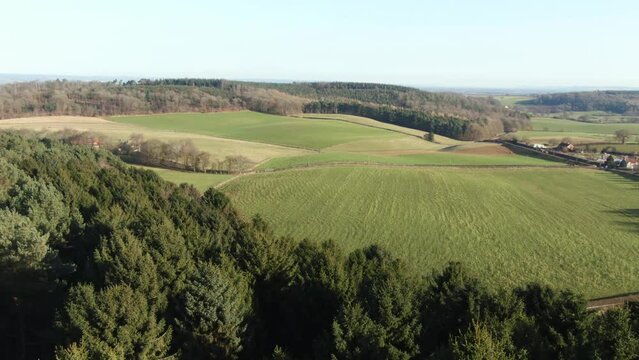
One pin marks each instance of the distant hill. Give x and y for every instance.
(618, 102)
(448, 114)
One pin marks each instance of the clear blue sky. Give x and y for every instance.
(492, 43)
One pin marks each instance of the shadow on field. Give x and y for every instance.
(633, 218)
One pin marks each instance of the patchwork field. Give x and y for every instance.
(567, 227)
(320, 140)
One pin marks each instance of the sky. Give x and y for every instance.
(453, 43)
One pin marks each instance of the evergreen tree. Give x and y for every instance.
(115, 322)
(214, 311)
(611, 336)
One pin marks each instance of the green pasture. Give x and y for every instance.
(572, 228)
(257, 127)
(570, 126)
(199, 180)
(433, 158)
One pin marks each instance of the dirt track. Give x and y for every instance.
(611, 302)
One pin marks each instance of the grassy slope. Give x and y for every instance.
(378, 124)
(199, 180)
(564, 227)
(273, 129)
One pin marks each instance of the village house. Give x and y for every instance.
(629, 163)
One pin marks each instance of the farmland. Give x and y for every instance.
(570, 228)
(369, 182)
(580, 132)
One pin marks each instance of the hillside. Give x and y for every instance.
(447, 114)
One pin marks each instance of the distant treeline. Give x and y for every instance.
(619, 102)
(469, 117)
(99, 260)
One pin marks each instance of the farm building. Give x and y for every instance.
(566, 147)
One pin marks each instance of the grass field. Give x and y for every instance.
(568, 126)
(378, 124)
(512, 100)
(257, 127)
(199, 180)
(433, 158)
(580, 132)
(567, 227)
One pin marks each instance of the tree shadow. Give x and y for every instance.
(633, 218)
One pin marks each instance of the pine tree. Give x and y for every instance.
(213, 312)
(115, 322)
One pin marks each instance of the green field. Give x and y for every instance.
(257, 127)
(434, 158)
(512, 100)
(199, 180)
(569, 126)
(580, 132)
(567, 227)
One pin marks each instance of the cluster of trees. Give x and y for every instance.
(181, 154)
(102, 261)
(486, 117)
(619, 102)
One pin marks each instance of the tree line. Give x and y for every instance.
(486, 117)
(99, 260)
